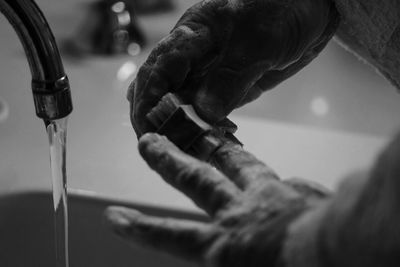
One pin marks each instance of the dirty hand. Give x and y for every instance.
(250, 209)
(223, 54)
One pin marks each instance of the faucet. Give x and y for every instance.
(50, 85)
(109, 28)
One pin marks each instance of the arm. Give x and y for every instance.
(359, 226)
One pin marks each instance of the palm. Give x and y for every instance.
(250, 209)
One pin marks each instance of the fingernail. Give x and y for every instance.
(149, 141)
(120, 218)
(150, 138)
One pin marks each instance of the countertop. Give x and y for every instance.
(326, 123)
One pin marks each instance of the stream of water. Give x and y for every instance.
(57, 133)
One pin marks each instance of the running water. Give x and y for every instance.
(57, 133)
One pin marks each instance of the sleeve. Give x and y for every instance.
(371, 29)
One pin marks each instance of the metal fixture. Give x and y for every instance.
(109, 28)
(50, 85)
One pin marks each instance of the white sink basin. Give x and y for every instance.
(27, 237)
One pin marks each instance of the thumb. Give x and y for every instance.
(222, 90)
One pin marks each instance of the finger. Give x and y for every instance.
(243, 168)
(207, 187)
(166, 69)
(308, 189)
(185, 239)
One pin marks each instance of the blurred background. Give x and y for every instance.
(326, 123)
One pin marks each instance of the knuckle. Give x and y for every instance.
(164, 158)
(307, 188)
(262, 171)
(191, 175)
(147, 139)
(143, 74)
(255, 170)
(130, 94)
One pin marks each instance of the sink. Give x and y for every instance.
(27, 237)
(324, 124)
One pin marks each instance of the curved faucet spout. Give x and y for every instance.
(50, 85)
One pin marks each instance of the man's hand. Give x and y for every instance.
(223, 54)
(250, 209)
(257, 220)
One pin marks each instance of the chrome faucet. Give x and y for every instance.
(50, 85)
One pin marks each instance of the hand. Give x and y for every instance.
(223, 54)
(250, 209)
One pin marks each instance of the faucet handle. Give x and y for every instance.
(154, 6)
(109, 28)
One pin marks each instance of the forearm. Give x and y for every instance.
(358, 227)
(372, 30)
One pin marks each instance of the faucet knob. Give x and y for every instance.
(109, 28)
(154, 6)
